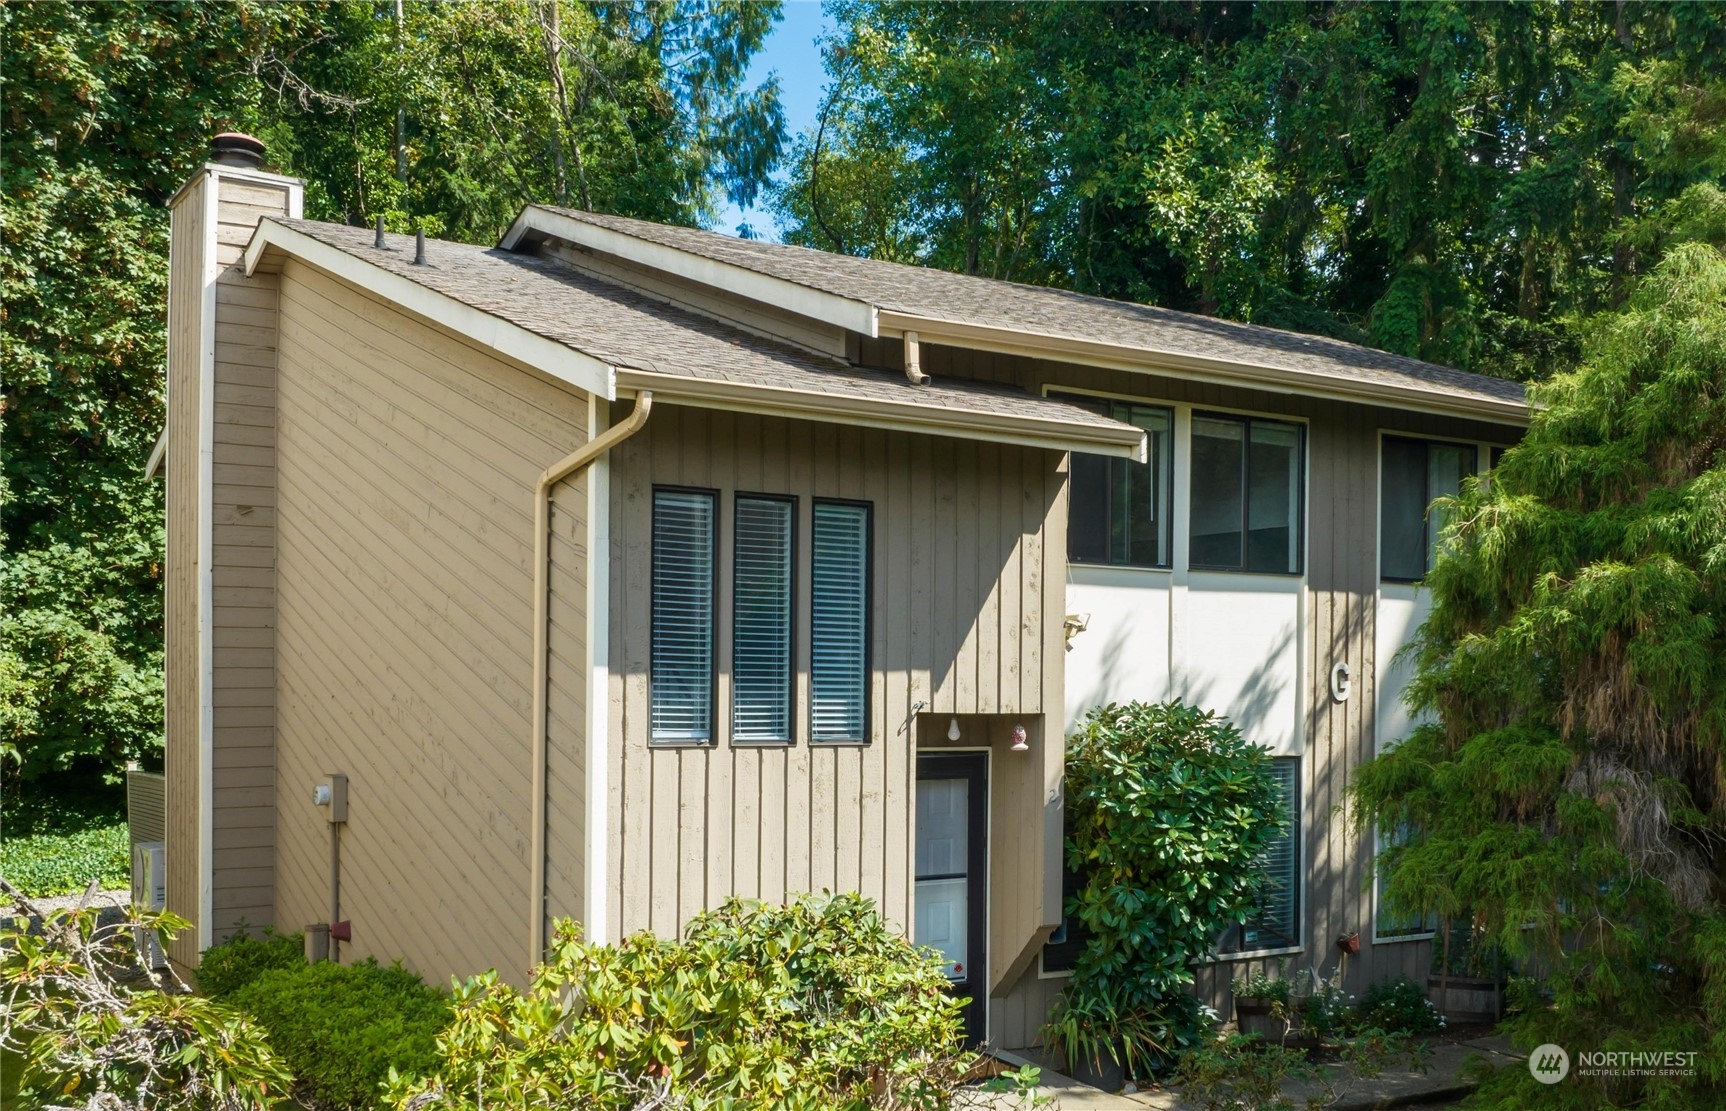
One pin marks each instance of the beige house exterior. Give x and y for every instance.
(622, 568)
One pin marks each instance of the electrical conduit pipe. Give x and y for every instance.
(569, 465)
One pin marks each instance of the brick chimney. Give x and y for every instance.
(220, 591)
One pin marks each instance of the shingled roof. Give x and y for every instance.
(650, 344)
(969, 301)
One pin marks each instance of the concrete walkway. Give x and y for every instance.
(1442, 1082)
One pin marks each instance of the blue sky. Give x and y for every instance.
(790, 51)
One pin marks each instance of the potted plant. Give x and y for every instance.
(1083, 1033)
(1262, 1005)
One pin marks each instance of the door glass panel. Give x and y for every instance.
(942, 851)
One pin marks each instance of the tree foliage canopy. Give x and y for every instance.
(451, 116)
(1569, 799)
(1455, 181)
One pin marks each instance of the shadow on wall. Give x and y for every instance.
(1252, 704)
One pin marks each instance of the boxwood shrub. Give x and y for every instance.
(340, 1028)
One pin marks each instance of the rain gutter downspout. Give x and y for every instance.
(557, 472)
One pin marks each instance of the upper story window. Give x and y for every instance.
(1247, 511)
(680, 676)
(1413, 474)
(1120, 510)
(839, 622)
(761, 586)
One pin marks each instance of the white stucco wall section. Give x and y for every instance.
(1226, 642)
(1402, 607)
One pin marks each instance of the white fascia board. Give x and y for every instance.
(929, 420)
(157, 453)
(813, 304)
(563, 363)
(1200, 368)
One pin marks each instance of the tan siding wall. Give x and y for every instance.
(187, 252)
(1342, 585)
(243, 505)
(966, 608)
(407, 460)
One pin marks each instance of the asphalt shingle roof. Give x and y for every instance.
(967, 299)
(626, 329)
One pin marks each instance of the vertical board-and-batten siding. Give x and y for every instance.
(220, 324)
(1338, 626)
(966, 608)
(407, 460)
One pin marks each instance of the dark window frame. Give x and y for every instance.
(1425, 443)
(868, 623)
(717, 499)
(1105, 404)
(790, 739)
(1246, 421)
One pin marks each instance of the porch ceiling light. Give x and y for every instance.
(953, 730)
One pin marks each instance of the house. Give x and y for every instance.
(621, 568)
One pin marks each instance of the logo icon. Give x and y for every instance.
(1549, 1064)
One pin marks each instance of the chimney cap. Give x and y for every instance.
(235, 148)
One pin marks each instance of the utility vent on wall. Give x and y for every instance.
(146, 821)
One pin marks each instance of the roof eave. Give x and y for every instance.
(1305, 383)
(536, 222)
(272, 240)
(1124, 441)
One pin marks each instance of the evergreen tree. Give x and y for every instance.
(1567, 800)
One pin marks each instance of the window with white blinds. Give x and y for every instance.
(839, 623)
(680, 680)
(761, 618)
(1274, 921)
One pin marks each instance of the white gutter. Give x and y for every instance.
(1306, 383)
(846, 312)
(557, 472)
(564, 363)
(927, 419)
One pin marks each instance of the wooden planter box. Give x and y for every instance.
(1254, 1016)
(1467, 999)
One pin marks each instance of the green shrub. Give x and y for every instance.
(86, 1024)
(342, 1029)
(814, 1004)
(1399, 1006)
(1168, 811)
(46, 864)
(230, 966)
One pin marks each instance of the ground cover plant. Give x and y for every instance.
(63, 832)
(816, 1004)
(1168, 811)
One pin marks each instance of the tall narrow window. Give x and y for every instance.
(1274, 921)
(1120, 510)
(761, 619)
(1247, 510)
(1413, 474)
(839, 623)
(680, 679)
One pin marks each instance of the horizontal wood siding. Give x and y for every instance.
(187, 255)
(407, 459)
(966, 609)
(243, 507)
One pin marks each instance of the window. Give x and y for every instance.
(761, 618)
(1246, 486)
(839, 623)
(680, 678)
(1274, 922)
(1413, 474)
(1120, 510)
(1391, 922)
